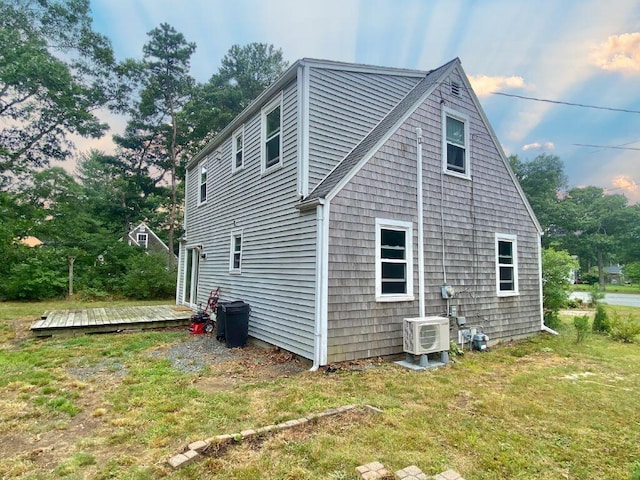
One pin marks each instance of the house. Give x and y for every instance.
(349, 197)
(614, 274)
(142, 236)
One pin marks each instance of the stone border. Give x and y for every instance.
(195, 449)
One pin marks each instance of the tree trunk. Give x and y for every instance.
(601, 270)
(70, 261)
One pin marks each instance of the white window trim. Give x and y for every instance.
(146, 239)
(202, 166)
(505, 237)
(398, 225)
(448, 112)
(239, 232)
(234, 150)
(266, 110)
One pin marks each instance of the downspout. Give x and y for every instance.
(322, 286)
(543, 327)
(421, 301)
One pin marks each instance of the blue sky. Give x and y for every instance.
(585, 52)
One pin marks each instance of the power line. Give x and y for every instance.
(566, 103)
(604, 146)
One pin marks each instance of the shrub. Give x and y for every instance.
(147, 277)
(601, 322)
(551, 320)
(42, 274)
(635, 471)
(624, 329)
(582, 327)
(596, 294)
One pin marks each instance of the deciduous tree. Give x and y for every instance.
(55, 73)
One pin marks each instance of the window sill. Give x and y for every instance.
(273, 168)
(202, 203)
(508, 294)
(394, 298)
(235, 272)
(237, 170)
(465, 176)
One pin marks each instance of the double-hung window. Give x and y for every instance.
(202, 179)
(394, 260)
(143, 240)
(238, 150)
(272, 135)
(235, 252)
(455, 143)
(506, 265)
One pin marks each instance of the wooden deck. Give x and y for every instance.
(104, 320)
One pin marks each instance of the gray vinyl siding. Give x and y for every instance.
(473, 211)
(343, 107)
(278, 250)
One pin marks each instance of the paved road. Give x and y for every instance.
(622, 299)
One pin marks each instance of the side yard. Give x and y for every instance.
(118, 405)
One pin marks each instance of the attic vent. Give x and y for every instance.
(455, 89)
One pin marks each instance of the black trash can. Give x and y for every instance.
(220, 321)
(236, 323)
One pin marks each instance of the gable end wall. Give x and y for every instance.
(473, 211)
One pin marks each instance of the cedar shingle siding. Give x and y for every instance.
(357, 123)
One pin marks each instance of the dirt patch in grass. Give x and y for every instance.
(106, 427)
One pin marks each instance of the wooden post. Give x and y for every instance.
(70, 261)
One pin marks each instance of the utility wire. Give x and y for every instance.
(604, 146)
(566, 103)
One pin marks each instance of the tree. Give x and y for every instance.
(556, 272)
(542, 180)
(632, 272)
(245, 72)
(55, 72)
(154, 135)
(116, 194)
(594, 224)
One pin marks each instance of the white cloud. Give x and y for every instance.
(538, 146)
(628, 186)
(484, 85)
(620, 53)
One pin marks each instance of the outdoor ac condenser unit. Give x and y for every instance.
(425, 335)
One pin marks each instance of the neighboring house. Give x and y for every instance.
(313, 203)
(143, 236)
(614, 274)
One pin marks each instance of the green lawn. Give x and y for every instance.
(635, 288)
(108, 406)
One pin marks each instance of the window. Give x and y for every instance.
(506, 265)
(235, 255)
(142, 240)
(272, 135)
(455, 143)
(238, 150)
(202, 193)
(394, 261)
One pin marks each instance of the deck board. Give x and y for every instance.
(103, 320)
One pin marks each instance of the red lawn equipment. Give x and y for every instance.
(201, 321)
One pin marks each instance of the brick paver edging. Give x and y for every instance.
(195, 449)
